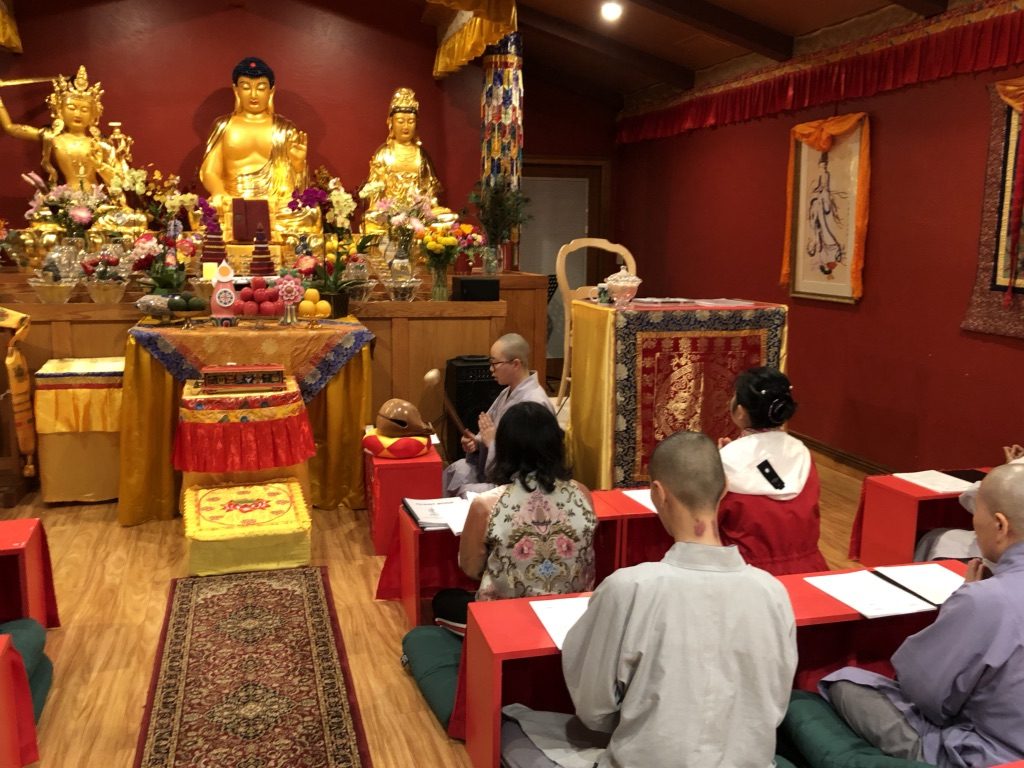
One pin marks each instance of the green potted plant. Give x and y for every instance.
(501, 209)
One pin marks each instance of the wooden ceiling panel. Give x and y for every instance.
(801, 17)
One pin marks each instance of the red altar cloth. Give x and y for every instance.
(241, 432)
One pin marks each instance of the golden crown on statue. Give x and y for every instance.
(63, 87)
(404, 100)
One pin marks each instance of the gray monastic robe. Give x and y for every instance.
(688, 662)
(960, 681)
(470, 474)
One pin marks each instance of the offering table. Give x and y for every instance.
(331, 364)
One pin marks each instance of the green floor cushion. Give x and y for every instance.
(825, 741)
(432, 656)
(29, 638)
(781, 762)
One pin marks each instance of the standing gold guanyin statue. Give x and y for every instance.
(400, 169)
(255, 154)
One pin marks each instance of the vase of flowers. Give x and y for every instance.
(154, 193)
(73, 210)
(439, 247)
(336, 206)
(501, 208)
(328, 276)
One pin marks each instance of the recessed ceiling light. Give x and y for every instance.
(611, 11)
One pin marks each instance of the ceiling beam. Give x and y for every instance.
(926, 8)
(725, 25)
(666, 71)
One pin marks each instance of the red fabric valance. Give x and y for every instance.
(976, 47)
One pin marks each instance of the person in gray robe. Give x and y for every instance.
(687, 662)
(510, 367)
(958, 696)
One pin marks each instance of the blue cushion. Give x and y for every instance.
(432, 655)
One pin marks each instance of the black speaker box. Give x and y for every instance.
(465, 288)
(471, 389)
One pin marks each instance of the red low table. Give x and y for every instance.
(892, 515)
(17, 728)
(388, 481)
(26, 576)
(509, 657)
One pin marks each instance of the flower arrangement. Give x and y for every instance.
(208, 218)
(328, 276)
(162, 258)
(74, 210)
(501, 208)
(440, 246)
(155, 194)
(335, 204)
(403, 220)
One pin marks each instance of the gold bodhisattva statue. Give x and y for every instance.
(255, 154)
(73, 149)
(400, 168)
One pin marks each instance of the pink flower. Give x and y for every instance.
(80, 215)
(564, 546)
(523, 550)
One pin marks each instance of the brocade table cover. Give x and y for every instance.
(645, 372)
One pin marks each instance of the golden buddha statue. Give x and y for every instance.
(400, 169)
(255, 154)
(74, 151)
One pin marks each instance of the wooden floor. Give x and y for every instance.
(112, 586)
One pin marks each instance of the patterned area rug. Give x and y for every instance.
(251, 673)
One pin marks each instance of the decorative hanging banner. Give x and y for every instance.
(501, 112)
(478, 24)
(995, 306)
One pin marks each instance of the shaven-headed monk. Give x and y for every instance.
(510, 367)
(686, 662)
(958, 699)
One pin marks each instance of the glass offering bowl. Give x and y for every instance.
(50, 292)
(402, 290)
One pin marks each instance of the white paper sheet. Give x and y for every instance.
(641, 496)
(933, 582)
(936, 481)
(868, 594)
(454, 515)
(558, 616)
(724, 302)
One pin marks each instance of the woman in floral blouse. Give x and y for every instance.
(533, 534)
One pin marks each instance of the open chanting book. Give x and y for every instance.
(559, 615)
(874, 595)
(433, 514)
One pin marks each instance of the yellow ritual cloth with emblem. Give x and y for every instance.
(246, 528)
(78, 414)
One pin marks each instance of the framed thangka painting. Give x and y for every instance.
(997, 301)
(826, 221)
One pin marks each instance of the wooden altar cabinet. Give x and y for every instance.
(331, 364)
(645, 372)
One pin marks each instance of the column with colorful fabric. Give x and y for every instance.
(820, 135)
(501, 114)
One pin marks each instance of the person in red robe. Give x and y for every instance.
(771, 509)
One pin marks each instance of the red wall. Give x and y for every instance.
(166, 69)
(891, 379)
